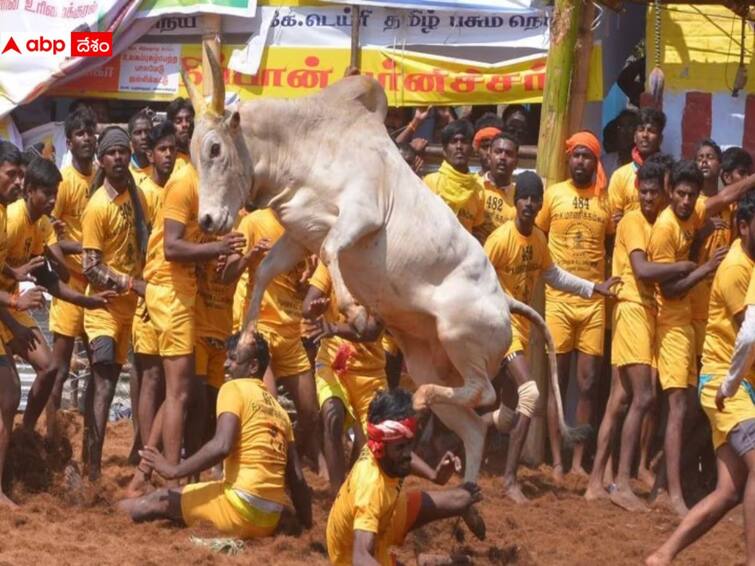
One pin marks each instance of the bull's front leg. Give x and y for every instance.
(357, 220)
(284, 256)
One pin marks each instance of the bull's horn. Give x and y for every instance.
(218, 84)
(197, 101)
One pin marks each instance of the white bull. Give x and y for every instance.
(331, 173)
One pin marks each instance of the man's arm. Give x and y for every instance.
(320, 328)
(564, 281)
(69, 247)
(211, 453)
(742, 358)
(55, 255)
(235, 264)
(728, 195)
(100, 275)
(364, 547)
(297, 484)
(651, 272)
(181, 250)
(676, 288)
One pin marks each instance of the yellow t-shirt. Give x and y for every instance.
(727, 299)
(24, 240)
(3, 234)
(154, 195)
(623, 195)
(73, 195)
(632, 233)
(518, 261)
(721, 237)
(140, 173)
(499, 207)
(214, 307)
(282, 301)
(365, 502)
(670, 240)
(109, 225)
(472, 212)
(181, 203)
(257, 462)
(182, 160)
(577, 222)
(368, 357)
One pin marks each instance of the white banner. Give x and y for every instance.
(473, 5)
(330, 26)
(9, 132)
(150, 67)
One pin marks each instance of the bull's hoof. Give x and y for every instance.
(421, 399)
(357, 317)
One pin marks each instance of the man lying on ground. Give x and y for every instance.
(372, 512)
(254, 439)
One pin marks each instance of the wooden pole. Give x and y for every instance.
(578, 97)
(355, 23)
(551, 165)
(211, 24)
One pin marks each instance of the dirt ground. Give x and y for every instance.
(71, 522)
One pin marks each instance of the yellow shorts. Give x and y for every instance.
(389, 344)
(738, 408)
(207, 502)
(329, 387)
(66, 318)
(405, 514)
(520, 335)
(143, 332)
(115, 323)
(173, 316)
(24, 318)
(633, 340)
(577, 326)
(209, 361)
(287, 354)
(699, 328)
(677, 367)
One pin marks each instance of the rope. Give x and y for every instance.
(657, 31)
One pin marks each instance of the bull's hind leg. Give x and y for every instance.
(361, 218)
(470, 427)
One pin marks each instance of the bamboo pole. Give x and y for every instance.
(355, 23)
(578, 97)
(211, 24)
(551, 165)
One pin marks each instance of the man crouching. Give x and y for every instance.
(254, 439)
(371, 512)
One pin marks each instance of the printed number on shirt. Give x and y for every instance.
(581, 203)
(495, 203)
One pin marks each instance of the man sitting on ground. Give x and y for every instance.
(371, 512)
(254, 439)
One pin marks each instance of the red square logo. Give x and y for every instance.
(91, 44)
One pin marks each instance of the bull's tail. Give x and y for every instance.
(571, 435)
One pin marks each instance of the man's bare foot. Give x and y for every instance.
(126, 505)
(608, 473)
(595, 492)
(138, 485)
(679, 507)
(475, 523)
(579, 471)
(558, 474)
(646, 477)
(6, 502)
(514, 492)
(664, 501)
(626, 499)
(428, 559)
(657, 559)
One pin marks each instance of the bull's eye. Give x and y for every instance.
(215, 150)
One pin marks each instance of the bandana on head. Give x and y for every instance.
(484, 134)
(389, 431)
(588, 140)
(111, 137)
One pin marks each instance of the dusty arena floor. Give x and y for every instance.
(73, 523)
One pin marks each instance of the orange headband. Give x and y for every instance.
(588, 140)
(484, 134)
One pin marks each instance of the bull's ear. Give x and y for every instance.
(234, 121)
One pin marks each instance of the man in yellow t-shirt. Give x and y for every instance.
(280, 325)
(633, 346)
(254, 440)
(727, 394)
(67, 319)
(498, 186)
(349, 369)
(577, 219)
(518, 251)
(453, 182)
(28, 228)
(139, 128)
(372, 512)
(114, 237)
(648, 136)
(10, 387)
(149, 384)
(181, 113)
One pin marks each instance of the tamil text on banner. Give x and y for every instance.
(476, 5)
(242, 8)
(409, 78)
